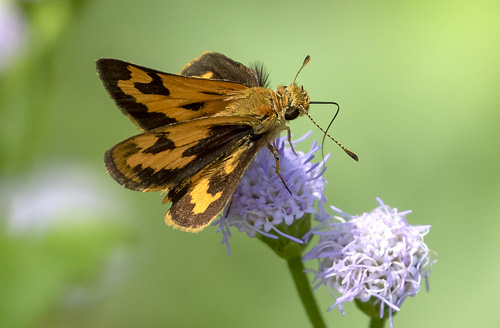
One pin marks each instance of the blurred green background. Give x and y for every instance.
(418, 82)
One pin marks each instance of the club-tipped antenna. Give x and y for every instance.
(325, 132)
(306, 60)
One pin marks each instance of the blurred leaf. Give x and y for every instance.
(38, 272)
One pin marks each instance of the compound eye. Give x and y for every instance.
(291, 113)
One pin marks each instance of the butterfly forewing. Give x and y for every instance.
(151, 98)
(161, 158)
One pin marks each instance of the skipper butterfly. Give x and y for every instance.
(199, 130)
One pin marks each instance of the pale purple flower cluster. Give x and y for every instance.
(376, 256)
(13, 33)
(262, 201)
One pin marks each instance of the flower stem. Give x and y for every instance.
(377, 322)
(303, 286)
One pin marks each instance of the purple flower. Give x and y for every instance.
(376, 257)
(262, 202)
(13, 33)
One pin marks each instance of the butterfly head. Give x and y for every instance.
(297, 101)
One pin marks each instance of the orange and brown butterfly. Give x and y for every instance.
(200, 130)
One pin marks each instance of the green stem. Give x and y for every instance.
(377, 322)
(296, 268)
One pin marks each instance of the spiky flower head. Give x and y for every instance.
(376, 257)
(264, 205)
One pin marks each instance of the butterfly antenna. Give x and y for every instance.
(306, 60)
(329, 124)
(325, 132)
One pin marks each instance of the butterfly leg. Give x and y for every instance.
(289, 135)
(272, 148)
(228, 207)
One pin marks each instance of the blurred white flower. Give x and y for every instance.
(54, 196)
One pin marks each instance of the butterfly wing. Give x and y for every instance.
(214, 65)
(197, 163)
(197, 201)
(199, 134)
(151, 98)
(162, 158)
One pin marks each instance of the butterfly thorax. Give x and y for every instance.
(270, 109)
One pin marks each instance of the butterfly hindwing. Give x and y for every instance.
(214, 65)
(151, 98)
(196, 203)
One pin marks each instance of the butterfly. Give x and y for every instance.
(200, 130)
